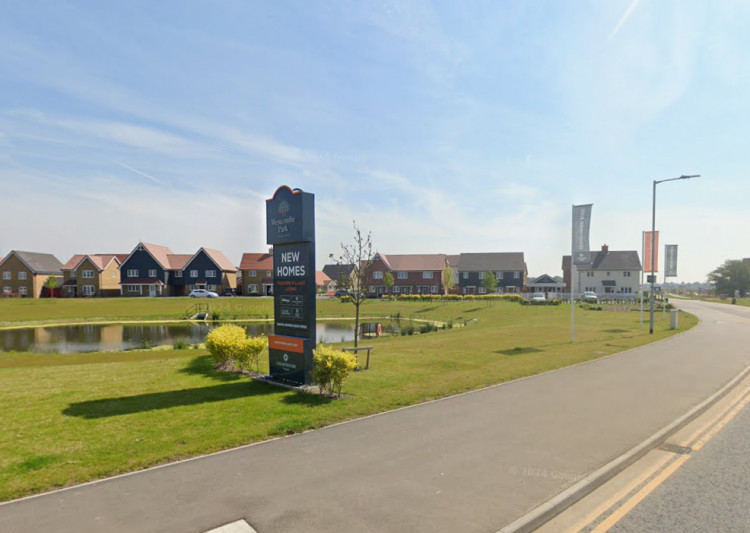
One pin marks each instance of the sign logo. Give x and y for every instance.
(286, 357)
(283, 208)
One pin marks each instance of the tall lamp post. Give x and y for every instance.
(652, 277)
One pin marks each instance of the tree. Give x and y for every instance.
(447, 279)
(489, 283)
(51, 284)
(358, 254)
(388, 281)
(733, 275)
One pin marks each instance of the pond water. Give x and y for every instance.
(118, 337)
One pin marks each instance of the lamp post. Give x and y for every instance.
(652, 277)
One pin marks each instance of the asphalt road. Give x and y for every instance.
(710, 492)
(474, 462)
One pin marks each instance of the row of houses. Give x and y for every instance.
(154, 270)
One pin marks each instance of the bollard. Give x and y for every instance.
(673, 318)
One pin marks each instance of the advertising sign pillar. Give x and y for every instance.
(290, 228)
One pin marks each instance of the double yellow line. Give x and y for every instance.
(658, 473)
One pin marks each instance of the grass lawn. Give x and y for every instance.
(77, 417)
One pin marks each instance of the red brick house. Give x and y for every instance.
(412, 274)
(256, 274)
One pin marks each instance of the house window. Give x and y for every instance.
(211, 287)
(88, 290)
(22, 291)
(608, 274)
(433, 289)
(481, 275)
(396, 288)
(626, 274)
(589, 274)
(133, 288)
(516, 275)
(73, 274)
(482, 290)
(499, 275)
(7, 290)
(6, 275)
(466, 275)
(268, 273)
(377, 274)
(178, 273)
(371, 288)
(152, 273)
(252, 289)
(405, 290)
(22, 276)
(210, 273)
(193, 273)
(88, 274)
(132, 272)
(253, 273)
(426, 275)
(403, 275)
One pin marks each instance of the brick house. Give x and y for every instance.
(412, 274)
(25, 274)
(256, 274)
(92, 275)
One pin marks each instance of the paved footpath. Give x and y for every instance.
(474, 462)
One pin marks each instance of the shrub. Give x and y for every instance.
(230, 346)
(332, 368)
(180, 344)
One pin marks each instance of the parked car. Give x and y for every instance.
(538, 297)
(590, 296)
(229, 292)
(342, 292)
(202, 293)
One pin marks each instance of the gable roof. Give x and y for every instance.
(38, 263)
(547, 279)
(452, 260)
(491, 261)
(159, 253)
(335, 271)
(73, 262)
(178, 261)
(612, 260)
(414, 262)
(321, 278)
(220, 259)
(100, 261)
(250, 261)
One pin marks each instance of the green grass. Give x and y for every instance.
(69, 418)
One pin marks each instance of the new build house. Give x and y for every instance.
(509, 269)
(25, 274)
(412, 274)
(256, 274)
(609, 272)
(92, 275)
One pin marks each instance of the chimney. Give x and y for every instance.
(605, 248)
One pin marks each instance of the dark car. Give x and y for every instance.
(229, 292)
(342, 292)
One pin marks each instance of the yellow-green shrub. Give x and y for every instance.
(231, 347)
(332, 368)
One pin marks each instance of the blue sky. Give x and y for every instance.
(441, 127)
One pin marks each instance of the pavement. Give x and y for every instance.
(480, 461)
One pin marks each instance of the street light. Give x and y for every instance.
(652, 277)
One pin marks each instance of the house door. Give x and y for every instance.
(152, 290)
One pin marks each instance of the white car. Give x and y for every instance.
(538, 297)
(590, 296)
(202, 293)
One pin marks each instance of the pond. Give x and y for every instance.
(119, 337)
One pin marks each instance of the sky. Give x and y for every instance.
(439, 127)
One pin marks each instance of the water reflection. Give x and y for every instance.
(117, 337)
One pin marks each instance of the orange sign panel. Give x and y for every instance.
(287, 344)
(650, 239)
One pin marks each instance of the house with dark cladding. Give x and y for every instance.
(509, 268)
(609, 272)
(24, 274)
(153, 270)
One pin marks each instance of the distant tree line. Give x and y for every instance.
(733, 275)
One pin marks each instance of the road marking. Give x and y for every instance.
(240, 526)
(696, 441)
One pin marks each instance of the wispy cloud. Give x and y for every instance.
(623, 19)
(140, 173)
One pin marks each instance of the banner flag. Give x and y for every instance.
(670, 260)
(581, 225)
(650, 240)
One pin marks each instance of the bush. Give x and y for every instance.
(180, 344)
(231, 347)
(332, 368)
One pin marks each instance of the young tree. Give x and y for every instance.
(489, 283)
(447, 279)
(358, 254)
(51, 284)
(388, 281)
(733, 275)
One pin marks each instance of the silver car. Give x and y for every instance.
(202, 293)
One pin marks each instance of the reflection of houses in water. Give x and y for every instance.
(110, 336)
